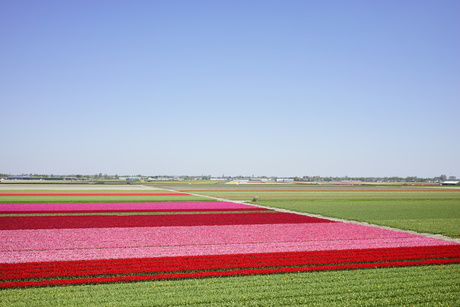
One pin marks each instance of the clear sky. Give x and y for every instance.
(276, 88)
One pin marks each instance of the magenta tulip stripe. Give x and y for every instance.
(81, 249)
(123, 207)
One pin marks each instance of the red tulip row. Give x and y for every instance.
(110, 221)
(37, 283)
(247, 263)
(184, 263)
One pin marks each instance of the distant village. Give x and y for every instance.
(101, 178)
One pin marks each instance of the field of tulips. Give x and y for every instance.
(54, 243)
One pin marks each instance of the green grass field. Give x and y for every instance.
(439, 216)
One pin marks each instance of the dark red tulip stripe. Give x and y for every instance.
(111, 221)
(218, 273)
(213, 262)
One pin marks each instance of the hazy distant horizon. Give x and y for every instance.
(226, 176)
(281, 88)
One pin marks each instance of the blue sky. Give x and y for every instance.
(276, 88)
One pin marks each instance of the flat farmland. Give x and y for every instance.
(426, 210)
(198, 250)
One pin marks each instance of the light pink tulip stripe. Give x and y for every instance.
(101, 243)
(154, 206)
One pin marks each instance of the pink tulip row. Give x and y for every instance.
(115, 243)
(194, 250)
(40, 239)
(120, 207)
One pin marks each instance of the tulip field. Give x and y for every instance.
(67, 242)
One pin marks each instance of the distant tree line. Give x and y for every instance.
(101, 176)
(376, 179)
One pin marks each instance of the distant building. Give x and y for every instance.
(39, 178)
(450, 182)
(130, 178)
(164, 178)
(285, 180)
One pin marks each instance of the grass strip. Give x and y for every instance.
(111, 279)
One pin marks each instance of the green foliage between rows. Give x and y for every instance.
(411, 286)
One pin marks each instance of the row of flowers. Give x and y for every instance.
(193, 250)
(124, 207)
(306, 234)
(111, 221)
(115, 243)
(221, 262)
